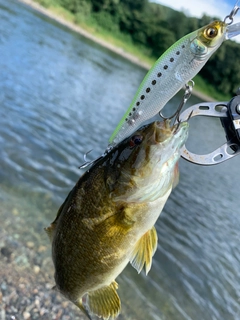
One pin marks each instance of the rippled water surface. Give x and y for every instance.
(61, 96)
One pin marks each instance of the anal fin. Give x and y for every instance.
(144, 251)
(105, 302)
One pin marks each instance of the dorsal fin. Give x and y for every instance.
(105, 302)
(144, 251)
(50, 231)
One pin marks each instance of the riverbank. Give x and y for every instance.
(118, 50)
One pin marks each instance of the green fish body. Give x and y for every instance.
(108, 218)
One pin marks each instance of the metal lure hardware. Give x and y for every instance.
(229, 114)
(232, 14)
(187, 94)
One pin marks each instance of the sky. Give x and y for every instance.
(196, 8)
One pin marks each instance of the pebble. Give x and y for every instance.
(6, 252)
(65, 304)
(30, 244)
(48, 286)
(37, 303)
(15, 211)
(3, 286)
(42, 248)
(35, 291)
(36, 269)
(26, 315)
(43, 311)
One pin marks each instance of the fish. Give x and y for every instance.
(175, 68)
(108, 218)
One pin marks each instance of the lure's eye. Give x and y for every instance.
(135, 140)
(211, 32)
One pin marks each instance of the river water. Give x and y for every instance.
(61, 96)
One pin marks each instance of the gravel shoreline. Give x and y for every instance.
(119, 51)
(26, 270)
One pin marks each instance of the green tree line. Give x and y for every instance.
(153, 28)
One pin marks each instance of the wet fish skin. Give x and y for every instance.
(108, 218)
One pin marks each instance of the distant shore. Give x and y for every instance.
(101, 42)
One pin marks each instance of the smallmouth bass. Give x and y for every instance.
(108, 218)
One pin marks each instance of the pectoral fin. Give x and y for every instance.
(144, 251)
(105, 302)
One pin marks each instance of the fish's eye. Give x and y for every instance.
(135, 140)
(211, 32)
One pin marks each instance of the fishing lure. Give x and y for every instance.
(176, 67)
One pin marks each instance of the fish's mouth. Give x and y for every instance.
(180, 126)
(164, 130)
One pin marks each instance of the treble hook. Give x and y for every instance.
(179, 121)
(232, 14)
(187, 94)
(86, 162)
